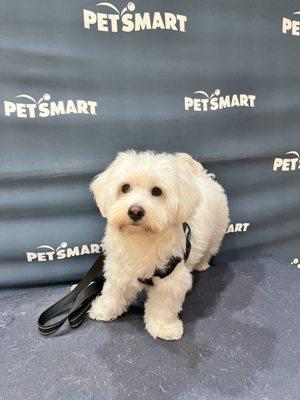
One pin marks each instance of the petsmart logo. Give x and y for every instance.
(287, 163)
(214, 102)
(48, 253)
(238, 227)
(44, 108)
(290, 26)
(128, 21)
(296, 262)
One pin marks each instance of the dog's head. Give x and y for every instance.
(147, 192)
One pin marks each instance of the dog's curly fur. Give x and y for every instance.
(135, 249)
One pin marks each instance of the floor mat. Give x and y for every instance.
(241, 341)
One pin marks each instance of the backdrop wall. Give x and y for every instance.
(80, 81)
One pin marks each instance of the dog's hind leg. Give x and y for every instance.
(203, 264)
(212, 250)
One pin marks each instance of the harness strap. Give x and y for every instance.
(169, 268)
(75, 305)
(188, 246)
(173, 261)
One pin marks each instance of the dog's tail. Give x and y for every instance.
(200, 170)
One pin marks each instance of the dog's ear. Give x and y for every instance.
(100, 187)
(188, 162)
(189, 195)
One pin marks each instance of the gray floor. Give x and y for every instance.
(241, 341)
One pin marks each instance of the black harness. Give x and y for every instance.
(76, 303)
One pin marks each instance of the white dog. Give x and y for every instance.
(146, 197)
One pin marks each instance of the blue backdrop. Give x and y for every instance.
(217, 79)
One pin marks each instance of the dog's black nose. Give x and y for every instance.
(136, 213)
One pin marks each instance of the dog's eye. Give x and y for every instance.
(125, 188)
(156, 191)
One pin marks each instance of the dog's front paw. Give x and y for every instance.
(165, 330)
(101, 311)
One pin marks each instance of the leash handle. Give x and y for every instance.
(75, 304)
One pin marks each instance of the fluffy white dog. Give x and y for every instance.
(146, 197)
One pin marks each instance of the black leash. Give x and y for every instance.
(75, 305)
